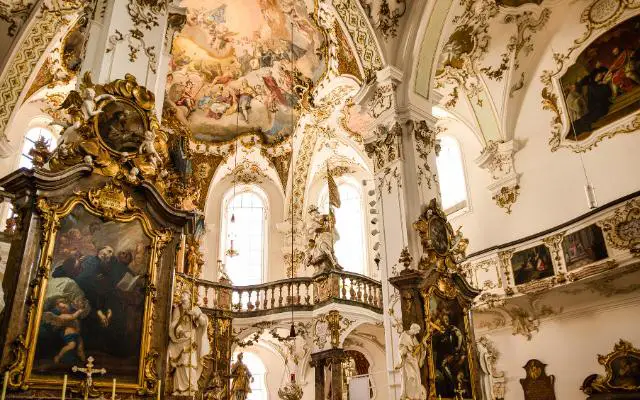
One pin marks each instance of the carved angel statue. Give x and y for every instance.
(86, 103)
(188, 345)
(412, 355)
(322, 237)
(147, 148)
(240, 387)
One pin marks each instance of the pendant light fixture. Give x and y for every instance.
(292, 330)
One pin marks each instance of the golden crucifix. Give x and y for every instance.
(88, 371)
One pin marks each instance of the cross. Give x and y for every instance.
(459, 391)
(88, 371)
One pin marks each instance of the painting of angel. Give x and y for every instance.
(236, 65)
(603, 85)
(94, 301)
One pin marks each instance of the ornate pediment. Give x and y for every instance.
(622, 371)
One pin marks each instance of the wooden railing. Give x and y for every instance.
(298, 293)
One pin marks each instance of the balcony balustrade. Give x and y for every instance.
(300, 294)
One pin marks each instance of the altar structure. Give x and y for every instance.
(319, 199)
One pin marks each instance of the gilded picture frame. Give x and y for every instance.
(599, 18)
(126, 119)
(446, 292)
(110, 204)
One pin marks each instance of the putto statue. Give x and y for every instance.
(241, 376)
(188, 345)
(412, 355)
(322, 237)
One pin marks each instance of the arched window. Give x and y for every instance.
(350, 248)
(243, 236)
(257, 369)
(30, 139)
(453, 188)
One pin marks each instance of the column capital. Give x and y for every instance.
(325, 357)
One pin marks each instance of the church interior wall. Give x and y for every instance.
(568, 343)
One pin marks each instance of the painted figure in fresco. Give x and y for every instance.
(576, 103)
(245, 95)
(65, 316)
(188, 345)
(622, 75)
(322, 238)
(240, 387)
(412, 356)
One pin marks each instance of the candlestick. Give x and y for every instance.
(64, 387)
(113, 390)
(159, 389)
(4, 385)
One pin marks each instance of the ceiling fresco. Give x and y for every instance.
(232, 71)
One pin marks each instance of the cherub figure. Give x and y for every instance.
(65, 316)
(85, 104)
(148, 148)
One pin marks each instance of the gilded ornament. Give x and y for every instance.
(507, 197)
(621, 371)
(622, 229)
(383, 16)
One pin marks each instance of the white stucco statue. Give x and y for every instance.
(187, 346)
(322, 236)
(412, 355)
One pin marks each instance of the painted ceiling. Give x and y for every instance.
(231, 72)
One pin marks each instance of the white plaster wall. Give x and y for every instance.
(551, 183)
(569, 345)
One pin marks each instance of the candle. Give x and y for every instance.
(113, 390)
(64, 387)
(159, 389)
(4, 385)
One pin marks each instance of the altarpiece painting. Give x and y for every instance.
(94, 300)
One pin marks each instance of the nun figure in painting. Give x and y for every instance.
(412, 355)
(188, 345)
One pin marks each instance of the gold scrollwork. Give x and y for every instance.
(599, 16)
(112, 203)
(622, 229)
(618, 371)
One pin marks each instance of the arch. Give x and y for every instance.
(244, 228)
(451, 175)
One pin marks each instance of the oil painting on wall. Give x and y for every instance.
(94, 302)
(233, 66)
(584, 247)
(450, 358)
(531, 264)
(603, 85)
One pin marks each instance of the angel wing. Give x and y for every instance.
(53, 319)
(72, 102)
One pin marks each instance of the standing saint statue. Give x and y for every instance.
(412, 355)
(188, 345)
(241, 379)
(322, 237)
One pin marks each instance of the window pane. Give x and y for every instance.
(350, 246)
(247, 233)
(29, 142)
(451, 173)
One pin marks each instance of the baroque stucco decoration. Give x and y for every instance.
(385, 15)
(363, 37)
(598, 17)
(498, 159)
(32, 44)
(622, 229)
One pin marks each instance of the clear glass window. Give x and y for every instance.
(244, 232)
(453, 188)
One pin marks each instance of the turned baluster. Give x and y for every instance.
(343, 282)
(280, 299)
(352, 291)
(307, 299)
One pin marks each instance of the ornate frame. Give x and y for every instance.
(447, 290)
(603, 384)
(599, 24)
(110, 203)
